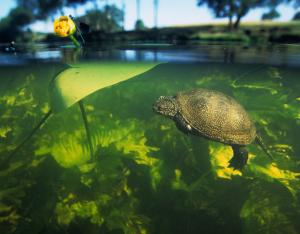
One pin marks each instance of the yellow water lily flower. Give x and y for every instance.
(64, 26)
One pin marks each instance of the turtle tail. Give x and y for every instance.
(259, 141)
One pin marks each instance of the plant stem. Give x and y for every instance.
(33, 131)
(86, 126)
(76, 43)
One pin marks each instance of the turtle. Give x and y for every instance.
(215, 116)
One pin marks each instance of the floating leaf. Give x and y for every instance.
(77, 82)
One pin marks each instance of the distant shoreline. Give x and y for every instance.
(248, 32)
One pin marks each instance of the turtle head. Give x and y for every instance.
(166, 105)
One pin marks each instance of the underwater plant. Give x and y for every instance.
(145, 175)
(80, 80)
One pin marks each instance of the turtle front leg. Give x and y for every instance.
(181, 124)
(240, 157)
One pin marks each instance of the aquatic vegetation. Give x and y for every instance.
(220, 155)
(71, 150)
(267, 212)
(4, 131)
(113, 203)
(16, 102)
(287, 178)
(68, 144)
(68, 88)
(85, 209)
(145, 176)
(12, 192)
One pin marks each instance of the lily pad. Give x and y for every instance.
(80, 80)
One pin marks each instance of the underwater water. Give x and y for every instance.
(97, 159)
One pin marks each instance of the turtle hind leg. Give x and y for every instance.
(240, 157)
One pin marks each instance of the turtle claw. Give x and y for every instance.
(239, 159)
(237, 163)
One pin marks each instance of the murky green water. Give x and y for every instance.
(119, 168)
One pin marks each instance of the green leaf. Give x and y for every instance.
(77, 82)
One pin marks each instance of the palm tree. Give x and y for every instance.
(139, 24)
(155, 2)
(123, 10)
(138, 10)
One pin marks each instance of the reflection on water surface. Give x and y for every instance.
(230, 53)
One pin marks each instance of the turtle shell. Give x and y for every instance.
(216, 116)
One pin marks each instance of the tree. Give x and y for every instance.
(76, 3)
(272, 14)
(11, 27)
(42, 9)
(155, 3)
(139, 25)
(297, 16)
(20, 17)
(235, 8)
(108, 19)
(123, 19)
(138, 10)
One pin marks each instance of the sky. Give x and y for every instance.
(170, 13)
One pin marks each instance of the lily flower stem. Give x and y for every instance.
(76, 43)
(86, 126)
